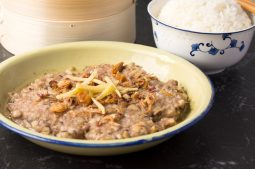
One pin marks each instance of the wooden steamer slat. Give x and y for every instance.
(67, 10)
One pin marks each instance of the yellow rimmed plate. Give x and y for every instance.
(19, 70)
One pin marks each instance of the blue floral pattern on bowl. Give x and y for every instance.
(213, 50)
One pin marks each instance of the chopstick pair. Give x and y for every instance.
(248, 5)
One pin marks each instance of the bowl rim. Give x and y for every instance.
(149, 7)
(161, 135)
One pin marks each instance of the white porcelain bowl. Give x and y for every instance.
(212, 52)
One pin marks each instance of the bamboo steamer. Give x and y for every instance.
(22, 33)
(63, 10)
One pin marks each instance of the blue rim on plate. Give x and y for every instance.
(109, 145)
(185, 30)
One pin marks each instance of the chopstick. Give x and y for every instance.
(248, 5)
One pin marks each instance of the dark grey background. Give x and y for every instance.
(224, 139)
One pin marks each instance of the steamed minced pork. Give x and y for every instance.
(205, 15)
(99, 103)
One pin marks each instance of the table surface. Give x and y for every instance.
(224, 139)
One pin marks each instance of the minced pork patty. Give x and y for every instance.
(101, 102)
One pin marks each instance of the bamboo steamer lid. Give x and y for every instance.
(22, 33)
(67, 9)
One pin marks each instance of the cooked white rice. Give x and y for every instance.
(205, 15)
